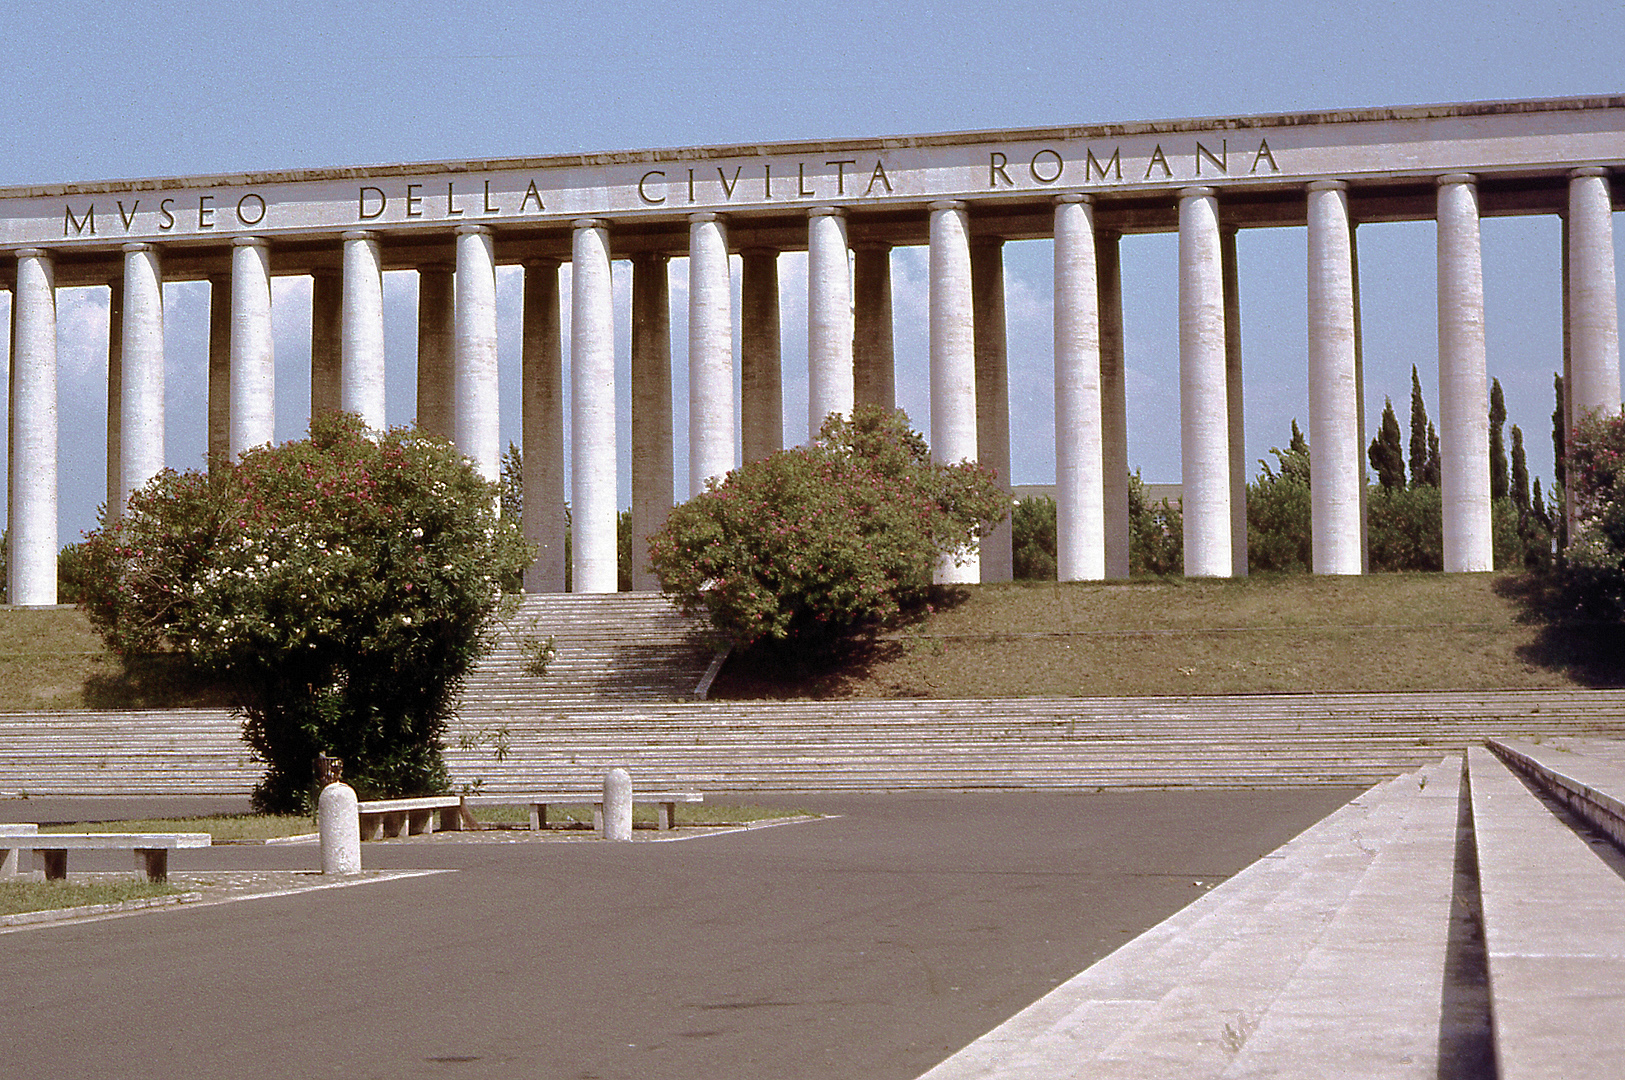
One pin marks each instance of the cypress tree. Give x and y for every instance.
(1419, 431)
(1498, 452)
(1537, 506)
(1557, 433)
(1431, 470)
(1386, 452)
(1520, 475)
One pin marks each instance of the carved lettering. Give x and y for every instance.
(1046, 166)
(128, 219)
(996, 162)
(840, 174)
(1223, 161)
(413, 200)
(1093, 167)
(879, 175)
(361, 203)
(801, 180)
(205, 212)
(727, 188)
(451, 205)
(251, 203)
(1264, 155)
(168, 221)
(489, 209)
(691, 185)
(767, 180)
(76, 224)
(1158, 158)
(642, 191)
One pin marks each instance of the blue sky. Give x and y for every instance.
(160, 89)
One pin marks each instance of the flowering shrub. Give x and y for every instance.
(1595, 471)
(813, 544)
(339, 586)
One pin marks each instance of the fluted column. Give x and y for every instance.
(253, 361)
(141, 368)
(326, 340)
(31, 562)
(437, 384)
(219, 368)
(1593, 306)
(652, 469)
(992, 393)
(542, 435)
(829, 318)
(474, 351)
(1080, 528)
(761, 379)
(1203, 407)
(1334, 414)
(953, 358)
(710, 353)
(874, 369)
(1464, 426)
(1113, 406)
(362, 367)
(1236, 429)
(592, 411)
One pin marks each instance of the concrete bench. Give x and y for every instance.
(538, 802)
(8, 856)
(151, 849)
(382, 818)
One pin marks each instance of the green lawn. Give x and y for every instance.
(51, 659)
(222, 827)
(20, 896)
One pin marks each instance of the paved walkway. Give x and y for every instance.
(872, 945)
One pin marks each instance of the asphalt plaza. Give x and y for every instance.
(869, 944)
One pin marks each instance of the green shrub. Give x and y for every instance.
(1032, 539)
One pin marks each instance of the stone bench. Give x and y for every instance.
(151, 849)
(381, 818)
(8, 856)
(538, 802)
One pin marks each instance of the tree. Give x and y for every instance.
(1559, 494)
(1595, 471)
(1278, 509)
(1033, 539)
(338, 586)
(1386, 453)
(1498, 454)
(1432, 470)
(1419, 431)
(1405, 528)
(1156, 542)
(811, 546)
(1520, 473)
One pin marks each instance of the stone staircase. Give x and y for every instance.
(1453, 922)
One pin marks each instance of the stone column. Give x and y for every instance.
(829, 318)
(1464, 425)
(592, 411)
(1080, 526)
(1593, 307)
(761, 386)
(437, 384)
(1203, 409)
(219, 368)
(326, 340)
(253, 361)
(362, 367)
(1334, 411)
(1113, 406)
(115, 397)
(652, 468)
(474, 352)
(992, 392)
(31, 560)
(710, 353)
(874, 369)
(953, 359)
(542, 403)
(1236, 429)
(141, 366)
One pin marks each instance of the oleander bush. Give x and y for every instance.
(340, 585)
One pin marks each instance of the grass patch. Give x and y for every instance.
(19, 896)
(52, 660)
(222, 827)
(644, 815)
(1266, 633)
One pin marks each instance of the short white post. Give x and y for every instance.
(339, 824)
(617, 805)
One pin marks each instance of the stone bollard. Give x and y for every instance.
(340, 827)
(617, 805)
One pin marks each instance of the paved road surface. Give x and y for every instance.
(866, 946)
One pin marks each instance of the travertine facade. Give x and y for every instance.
(847, 203)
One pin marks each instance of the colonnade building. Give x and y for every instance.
(847, 204)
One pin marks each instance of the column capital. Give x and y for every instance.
(826, 211)
(130, 249)
(359, 234)
(1588, 170)
(1074, 197)
(250, 241)
(589, 223)
(703, 217)
(472, 230)
(945, 204)
(1328, 185)
(540, 262)
(872, 245)
(32, 253)
(759, 249)
(1197, 193)
(1456, 178)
